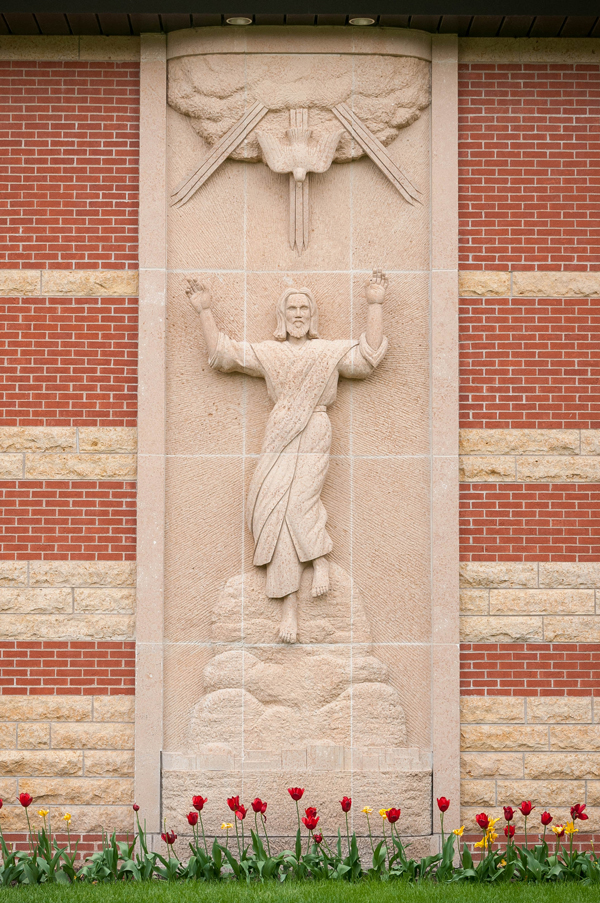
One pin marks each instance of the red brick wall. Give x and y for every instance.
(68, 361)
(102, 668)
(529, 166)
(529, 669)
(529, 522)
(69, 164)
(61, 520)
(530, 363)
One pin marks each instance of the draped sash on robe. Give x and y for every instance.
(272, 483)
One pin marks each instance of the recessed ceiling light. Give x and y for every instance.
(239, 20)
(362, 20)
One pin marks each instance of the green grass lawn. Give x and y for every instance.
(306, 892)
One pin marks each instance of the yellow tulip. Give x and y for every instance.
(67, 817)
(493, 821)
(459, 831)
(502, 863)
(226, 826)
(481, 844)
(383, 813)
(570, 829)
(367, 810)
(43, 813)
(558, 829)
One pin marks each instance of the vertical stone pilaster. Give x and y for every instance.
(444, 426)
(151, 428)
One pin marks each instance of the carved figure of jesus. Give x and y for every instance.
(285, 512)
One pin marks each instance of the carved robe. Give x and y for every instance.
(285, 511)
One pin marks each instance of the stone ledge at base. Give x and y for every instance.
(313, 758)
(409, 790)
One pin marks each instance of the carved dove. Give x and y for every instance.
(299, 154)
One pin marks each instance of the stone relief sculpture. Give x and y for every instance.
(285, 512)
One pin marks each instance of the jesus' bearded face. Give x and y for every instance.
(297, 315)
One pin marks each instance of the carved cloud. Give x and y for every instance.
(388, 93)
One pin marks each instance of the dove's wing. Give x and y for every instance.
(276, 155)
(321, 153)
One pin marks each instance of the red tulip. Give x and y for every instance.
(443, 804)
(234, 803)
(25, 799)
(318, 838)
(310, 812)
(483, 821)
(169, 837)
(560, 833)
(240, 812)
(577, 812)
(136, 808)
(1, 804)
(258, 806)
(310, 821)
(393, 815)
(296, 793)
(198, 802)
(346, 804)
(192, 818)
(509, 813)
(526, 808)
(546, 818)
(509, 830)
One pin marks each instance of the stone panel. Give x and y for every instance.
(492, 709)
(488, 738)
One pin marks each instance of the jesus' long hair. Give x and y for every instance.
(281, 329)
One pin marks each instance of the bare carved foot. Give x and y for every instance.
(320, 583)
(288, 627)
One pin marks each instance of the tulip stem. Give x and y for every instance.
(203, 834)
(442, 826)
(370, 835)
(347, 833)
(525, 831)
(298, 813)
(29, 835)
(264, 824)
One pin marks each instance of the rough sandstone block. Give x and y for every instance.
(487, 469)
(492, 765)
(68, 627)
(41, 762)
(11, 467)
(538, 284)
(114, 708)
(500, 630)
(109, 764)
(121, 601)
(85, 819)
(45, 708)
(115, 439)
(583, 629)
(590, 442)
(593, 799)
(559, 709)
(478, 793)
(92, 736)
(559, 470)
(495, 738)
(567, 573)
(488, 284)
(90, 283)
(474, 601)
(562, 766)
(542, 793)
(575, 737)
(13, 573)
(18, 283)
(31, 601)
(541, 601)
(38, 439)
(8, 736)
(520, 442)
(33, 736)
(498, 574)
(492, 709)
(80, 467)
(82, 573)
(78, 791)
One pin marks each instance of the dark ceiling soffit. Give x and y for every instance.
(399, 8)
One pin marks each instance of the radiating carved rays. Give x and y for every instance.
(298, 156)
